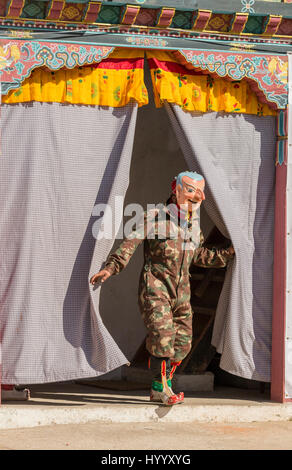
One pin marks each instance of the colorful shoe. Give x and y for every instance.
(164, 398)
(174, 365)
(180, 395)
(161, 390)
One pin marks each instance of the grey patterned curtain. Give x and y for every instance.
(236, 154)
(57, 162)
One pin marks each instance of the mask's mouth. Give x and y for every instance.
(193, 202)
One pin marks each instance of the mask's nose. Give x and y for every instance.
(199, 195)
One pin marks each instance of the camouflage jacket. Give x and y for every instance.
(169, 248)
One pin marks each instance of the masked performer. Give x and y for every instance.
(172, 242)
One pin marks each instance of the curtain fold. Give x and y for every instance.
(236, 155)
(195, 91)
(58, 162)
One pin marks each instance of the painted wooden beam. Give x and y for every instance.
(238, 23)
(271, 25)
(165, 17)
(201, 19)
(91, 12)
(129, 14)
(14, 8)
(55, 8)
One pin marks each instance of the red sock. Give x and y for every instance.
(174, 365)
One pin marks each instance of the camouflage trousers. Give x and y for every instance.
(169, 325)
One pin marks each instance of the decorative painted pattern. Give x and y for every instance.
(245, 22)
(147, 17)
(73, 12)
(266, 74)
(254, 25)
(19, 58)
(14, 8)
(109, 14)
(34, 9)
(91, 12)
(15, 28)
(219, 22)
(140, 41)
(282, 138)
(129, 14)
(248, 6)
(182, 19)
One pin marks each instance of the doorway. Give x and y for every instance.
(156, 159)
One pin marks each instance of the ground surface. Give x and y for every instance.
(223, 419)
(168, 436)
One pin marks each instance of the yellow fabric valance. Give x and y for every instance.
(120, 78)
(111, 82)
(193, 91)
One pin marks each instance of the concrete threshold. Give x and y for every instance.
(72, 403)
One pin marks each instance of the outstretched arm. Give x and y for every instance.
(212, 258)
(119, 259)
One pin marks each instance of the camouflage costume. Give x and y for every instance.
(171, 245)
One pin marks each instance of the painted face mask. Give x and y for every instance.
(188, 188)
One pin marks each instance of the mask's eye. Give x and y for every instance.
(190, 190)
